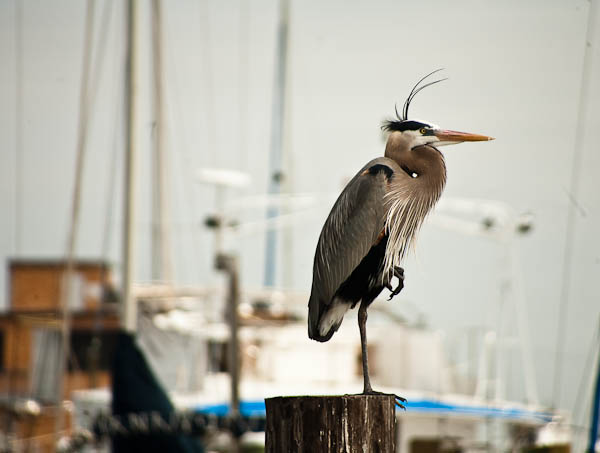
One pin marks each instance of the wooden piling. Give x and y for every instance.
(328, 424)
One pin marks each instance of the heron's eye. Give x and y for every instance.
(423, 131)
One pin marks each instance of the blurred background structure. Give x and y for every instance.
(231, 106)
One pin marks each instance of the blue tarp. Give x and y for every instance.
(257, 409)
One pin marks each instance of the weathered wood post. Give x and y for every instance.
(328, 424)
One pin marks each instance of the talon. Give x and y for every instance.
(398, 272)
(398, 400)
(396, 291)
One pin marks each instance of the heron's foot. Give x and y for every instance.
(397, 399)
(398, 272)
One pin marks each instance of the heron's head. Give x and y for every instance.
(411, 133)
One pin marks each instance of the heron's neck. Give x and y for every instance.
(424, 164)
(410, 198)
(397, 144)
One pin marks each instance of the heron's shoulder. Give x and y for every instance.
(380, 165)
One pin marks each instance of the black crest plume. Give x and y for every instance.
(390, 125)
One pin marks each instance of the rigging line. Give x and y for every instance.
(18, 195)
(98, 60)
(76, 201)
(185, 162)
(571, 211)
(520, 306)
(161, 247)
(111, 190)
(19, 50)
(243, 75)
(94, 77)
(209, 83)
(113, 169)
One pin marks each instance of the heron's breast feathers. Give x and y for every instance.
(406, 209)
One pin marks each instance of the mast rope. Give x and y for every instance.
(76, 202)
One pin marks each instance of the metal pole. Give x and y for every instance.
(229, 264)
(129, 308)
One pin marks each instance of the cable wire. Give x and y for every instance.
(112, 167)
(242, 129)
(161, 247)
(19, 72)
(76, 201)
(210, 116)
(182, 161)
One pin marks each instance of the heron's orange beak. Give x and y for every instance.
(457, 137)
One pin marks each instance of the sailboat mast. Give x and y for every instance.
(275, 157)
(129, 306)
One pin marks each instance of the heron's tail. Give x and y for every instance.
(324, 319)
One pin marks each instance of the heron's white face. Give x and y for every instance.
(431, 134)
(421, 136)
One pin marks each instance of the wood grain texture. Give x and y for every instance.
(328, 424)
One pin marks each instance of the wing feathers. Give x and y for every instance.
(353, 226)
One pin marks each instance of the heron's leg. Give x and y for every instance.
(362, 326)
(398, 272)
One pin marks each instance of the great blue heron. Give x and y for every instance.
(374, 222)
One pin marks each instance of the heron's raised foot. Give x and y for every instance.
(398, 272)
(397, 399)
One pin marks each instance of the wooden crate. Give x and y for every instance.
(35, 285)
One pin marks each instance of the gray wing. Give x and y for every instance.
(353, 226)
